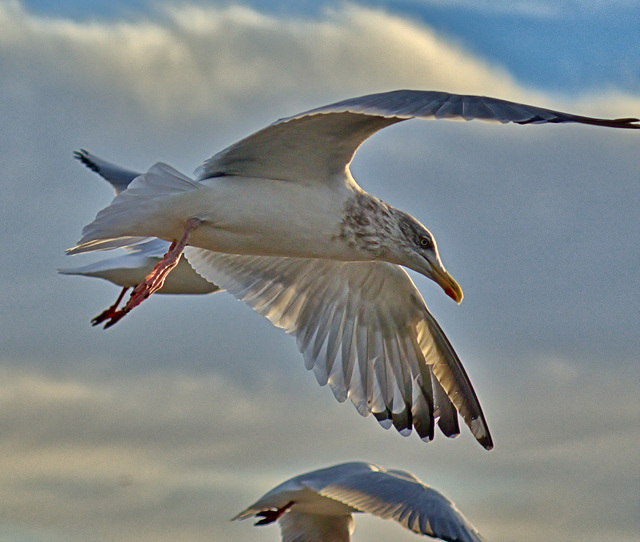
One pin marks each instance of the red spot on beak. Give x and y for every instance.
(453, 293)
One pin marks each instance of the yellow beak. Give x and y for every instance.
(447, 283)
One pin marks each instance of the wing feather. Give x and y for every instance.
(364, 329)
(400, 496)
(319, 143)
(130, 269)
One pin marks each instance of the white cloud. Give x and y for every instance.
(166, 455)
(188, 62)
(185, 65)
(194, 59)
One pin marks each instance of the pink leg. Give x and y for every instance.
(154, 280)
(110, 311)
(269, 516)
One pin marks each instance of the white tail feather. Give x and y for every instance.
(120, 224)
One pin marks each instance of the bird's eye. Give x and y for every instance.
(425, 242)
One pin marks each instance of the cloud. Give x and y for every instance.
(161, 455)
(190, 59)
(179, 68)
(86, 454)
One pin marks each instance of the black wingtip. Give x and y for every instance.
(486, 442)
(629, 123)
(626, 123)
(82, 155)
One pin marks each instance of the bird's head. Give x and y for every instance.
(378, 229)
(418, 251)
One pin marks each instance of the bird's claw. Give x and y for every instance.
(271, 515)
(111, 312)
(152, 282)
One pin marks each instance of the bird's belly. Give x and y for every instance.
(310, 502)
(269, 218)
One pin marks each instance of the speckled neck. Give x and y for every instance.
(368, 224)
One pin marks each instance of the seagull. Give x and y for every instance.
(318, 506)
(278, 221)
(129, 270)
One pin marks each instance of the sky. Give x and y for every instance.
(167, 425)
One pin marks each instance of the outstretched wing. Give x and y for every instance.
(401, 496)
(364, 329)
(314, 145)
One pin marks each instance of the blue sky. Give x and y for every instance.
(173, 421)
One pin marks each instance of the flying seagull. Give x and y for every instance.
(130, 269)
(278, 221)
(318, 506)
